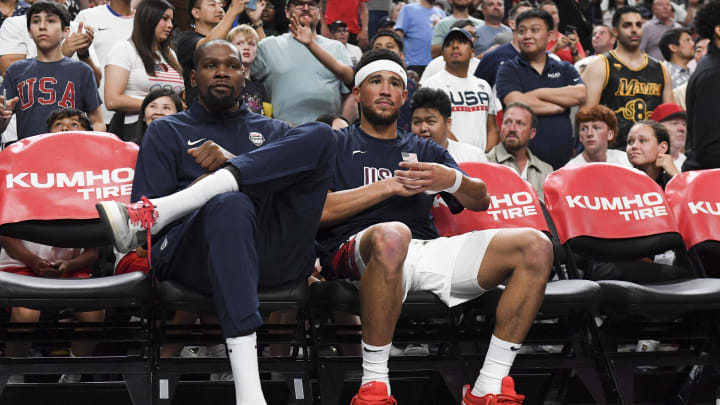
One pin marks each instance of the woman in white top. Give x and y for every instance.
(140, 65)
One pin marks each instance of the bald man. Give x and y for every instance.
(257, 203)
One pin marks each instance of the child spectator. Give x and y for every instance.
(35, 87)
(246, 39)
(33, 259)
(68, 119)
(431, 118)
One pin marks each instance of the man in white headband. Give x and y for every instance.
(384, 174)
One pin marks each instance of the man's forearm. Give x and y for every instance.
(339, 69)
(341, 205)
(568, 96)
(540, 107)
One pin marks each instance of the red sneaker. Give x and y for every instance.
(508, 395)
(373, 393)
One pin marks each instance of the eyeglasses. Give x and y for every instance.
(270, 6)
(312, 5)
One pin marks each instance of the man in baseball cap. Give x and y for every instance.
(386, 24)
(339, 32)
(474, 104)
(459, 33)
(674, 119)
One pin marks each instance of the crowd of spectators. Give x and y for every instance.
(514, 86)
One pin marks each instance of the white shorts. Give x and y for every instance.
(447, 267)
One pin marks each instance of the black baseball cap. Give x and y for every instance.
(457, 33)
(337, 24)
(386, 22)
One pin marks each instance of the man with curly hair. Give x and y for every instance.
(703, 132)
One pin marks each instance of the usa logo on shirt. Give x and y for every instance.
(256, 138)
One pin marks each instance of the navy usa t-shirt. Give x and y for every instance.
(43, 87)
(363, 160)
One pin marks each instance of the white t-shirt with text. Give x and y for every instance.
(473, 100)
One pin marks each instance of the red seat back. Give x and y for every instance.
(63, 175)
(694, 198)
(514, 203)
(606, 201)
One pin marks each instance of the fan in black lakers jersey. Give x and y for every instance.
(626, 79)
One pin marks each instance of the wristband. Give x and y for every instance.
(458, 181)
(84, 55)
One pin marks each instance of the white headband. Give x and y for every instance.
(378, 65)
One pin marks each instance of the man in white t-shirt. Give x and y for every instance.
(598, 128)
(431, 111)
(473, 102)
(113, 23)
(438, 63)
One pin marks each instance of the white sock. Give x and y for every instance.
(242, 351)
(177, 205)
(498, 361)
(375, 364)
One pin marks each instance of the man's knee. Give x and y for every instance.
(229, 211)
(388, 244)
(537, 252)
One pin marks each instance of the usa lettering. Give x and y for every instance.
(373, 174)
(469, 99)
(44, 91)
(105, 184)
(637, 207)
(704, 207)
(511, 206)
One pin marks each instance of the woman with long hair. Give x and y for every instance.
(140, 65)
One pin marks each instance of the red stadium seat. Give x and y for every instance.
(50, 184)
(514, 204)
(49, 187)
(609, 213)
(695, 202)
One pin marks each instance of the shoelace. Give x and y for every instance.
(143, 214)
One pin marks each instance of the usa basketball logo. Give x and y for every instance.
(257, 138)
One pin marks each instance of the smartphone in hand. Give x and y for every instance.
(251, 4)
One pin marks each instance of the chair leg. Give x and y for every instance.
(3, 382)
(591, 379)
(453, 376)
(139, 388)
(331, 384)
(626, 384)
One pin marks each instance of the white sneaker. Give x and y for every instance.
(16, 379)
(70, 378)
(128, 224)
(416, 350)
